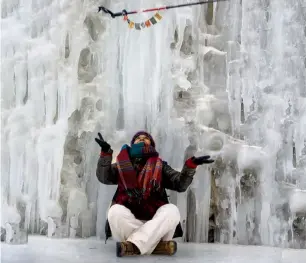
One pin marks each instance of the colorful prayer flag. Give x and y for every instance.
(148, 24)
(137, 26)
(158, 16)
(153, 21)
(131, 24)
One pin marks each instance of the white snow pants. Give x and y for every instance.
(144, 234)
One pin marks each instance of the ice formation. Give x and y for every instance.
(226, 79)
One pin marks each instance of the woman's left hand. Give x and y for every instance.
(202, 159)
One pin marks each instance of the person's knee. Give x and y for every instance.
(172, 212)
(115, 212)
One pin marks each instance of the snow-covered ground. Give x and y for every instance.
(44, 250)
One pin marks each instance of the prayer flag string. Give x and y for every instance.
(146, 24)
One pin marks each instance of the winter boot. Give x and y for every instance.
(126, 249)
(165, 248)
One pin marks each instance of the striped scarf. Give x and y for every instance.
(148, 179)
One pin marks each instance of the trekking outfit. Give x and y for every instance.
(141, 218)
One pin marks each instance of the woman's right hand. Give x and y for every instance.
(105, 147)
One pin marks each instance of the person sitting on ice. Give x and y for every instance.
(140, 217)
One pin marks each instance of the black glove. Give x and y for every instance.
(105, 147)
(201, 160)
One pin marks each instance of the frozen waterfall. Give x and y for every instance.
(226, 79)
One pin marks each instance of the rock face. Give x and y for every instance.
(224, 79)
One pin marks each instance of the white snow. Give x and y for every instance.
(298, 201)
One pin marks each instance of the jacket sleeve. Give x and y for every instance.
(178, 181)
(107, 173)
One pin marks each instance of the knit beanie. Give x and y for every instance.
(143, 133)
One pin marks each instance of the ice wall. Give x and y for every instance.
(225, 79)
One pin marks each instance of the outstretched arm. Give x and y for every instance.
(107, 173)
(180, 181)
